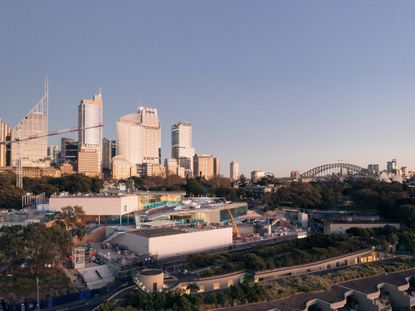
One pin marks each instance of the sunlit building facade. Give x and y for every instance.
(32, 152)
(90, 114)
(182, 147)
(234, 171)
(5, 131)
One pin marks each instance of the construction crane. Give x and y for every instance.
(19, 169)
(52, 133)
(236, 234)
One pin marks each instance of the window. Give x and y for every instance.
(216, 285)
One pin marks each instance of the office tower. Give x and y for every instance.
(404, 172)
(108, 152)
(88, 162)
(33, 152)
(205, 166)
(234, 171)
(69, 151)
(53, 154)
(373, 169)
(171, 166)
(149, 120)
(181, 145)
(216, 167)
(392, 167)
(90, 114)
(5, 131)
(138, 137)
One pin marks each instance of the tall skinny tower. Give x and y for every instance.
(181, 145)
(90, 140)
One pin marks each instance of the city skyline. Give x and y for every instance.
(318, 83)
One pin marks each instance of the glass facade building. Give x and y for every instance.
(33, 152)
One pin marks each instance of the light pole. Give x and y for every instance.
(37, 294)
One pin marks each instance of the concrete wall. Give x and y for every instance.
(148, 277)
(190, 242)
(347, 260)
(93, 206)
(136, 243)
(216, 282)
(342, 227)
(177, 244)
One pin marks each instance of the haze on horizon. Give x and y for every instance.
(274, 85)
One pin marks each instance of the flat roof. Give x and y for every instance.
(157, 232)
(298, 302)
(369, 285)
(151, 233)
(160, 192)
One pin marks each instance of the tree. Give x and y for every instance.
(74, 219)
(193, 288)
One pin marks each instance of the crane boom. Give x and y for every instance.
(52, 133)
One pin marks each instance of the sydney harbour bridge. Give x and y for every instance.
(335, 169)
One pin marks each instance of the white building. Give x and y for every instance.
(234, 171)
(90, 114)
(167, 242)
(96, 207)
(138, 137)
(182, 146)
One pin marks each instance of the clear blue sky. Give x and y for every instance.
(275, 85)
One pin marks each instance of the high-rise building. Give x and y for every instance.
(33, 152)
(5, 131)
(90, 114)
(138, 137)
(392, 167)
(53, 154)
(149, 120)
(109, 150)
(69, 151)
(234, 171)
(205, 166)
(216, 167)
(88, 162)
(373, 169)
(181, 145)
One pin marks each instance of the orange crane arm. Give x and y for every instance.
(236, 233)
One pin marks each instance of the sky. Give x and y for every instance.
(275, 85)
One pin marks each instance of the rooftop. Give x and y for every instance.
(369, 285)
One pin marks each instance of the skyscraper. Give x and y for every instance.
(69, 151)
(234, 171)
(90, 114)
(33, 152)
(149, 120)
(138, 137)
(392, 167)
(108, 152)
(181, 145)
(5, 131)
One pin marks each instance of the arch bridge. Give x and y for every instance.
(328, 169)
